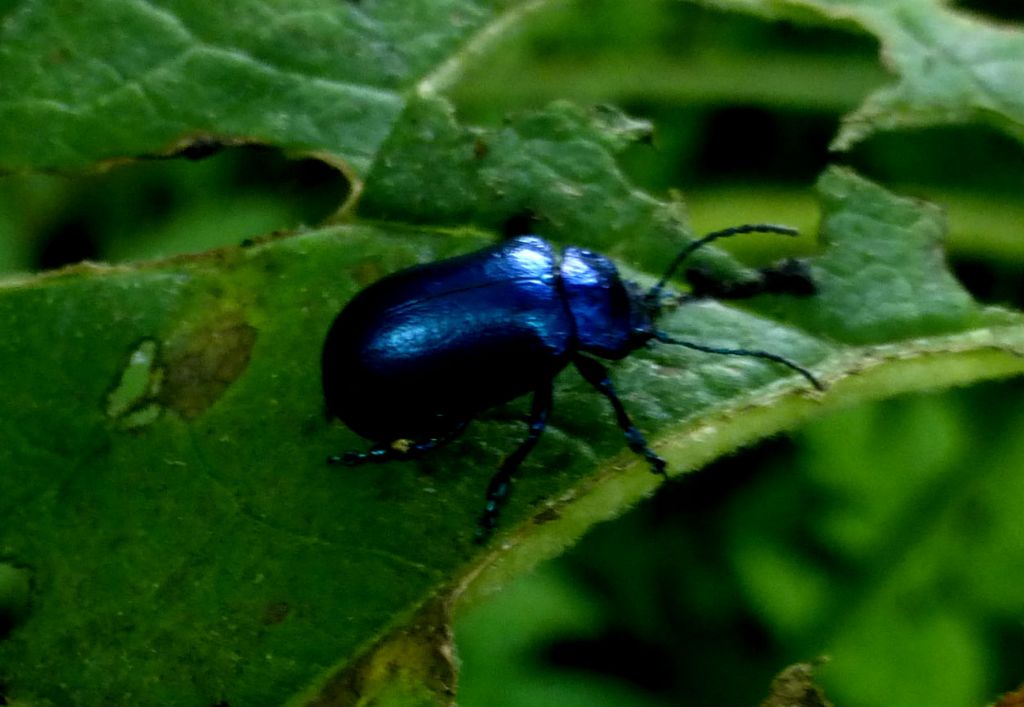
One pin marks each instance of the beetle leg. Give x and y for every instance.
(391, 451)
(498, 488)
(752, 353)
(597, 375)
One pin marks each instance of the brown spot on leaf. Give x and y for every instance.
(795, 687)
(1012, 699)
(202, 362)
(417, 659)
(546, 516)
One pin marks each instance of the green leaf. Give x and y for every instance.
(324, 77)
(953, 68)
(868, 294)
(554, 168)
(171, 531)
(163, 448)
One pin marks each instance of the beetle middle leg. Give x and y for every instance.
(597, 375)
(498, 488)
(391, 451)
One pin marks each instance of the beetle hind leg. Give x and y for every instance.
(597, 375)
(398, 449)
(498, 488)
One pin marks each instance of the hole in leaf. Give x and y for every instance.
(130, 402)
(207, 196)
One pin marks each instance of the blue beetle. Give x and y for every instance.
(418, 354)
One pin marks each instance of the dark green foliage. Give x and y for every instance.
(170, 530)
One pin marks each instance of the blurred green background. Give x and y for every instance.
(886, 536)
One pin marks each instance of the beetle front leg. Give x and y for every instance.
(391, 451)
(597, 375)
(498, 488)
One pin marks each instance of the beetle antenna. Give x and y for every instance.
(686, 252)
(753, 353)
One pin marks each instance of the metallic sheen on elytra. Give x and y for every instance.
(413, 358)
